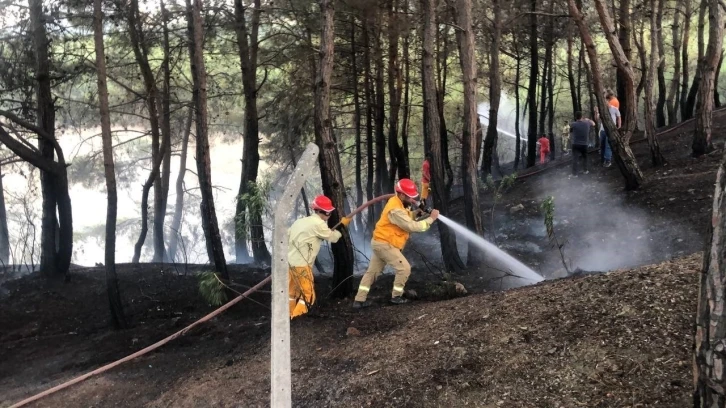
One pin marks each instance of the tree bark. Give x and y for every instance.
(370, 168)
(710, 337)
(716, 97)
(383, 182)
(690, 105)
(517, 111)
(160, 205)
(532, 91)
(176, 230)
(406, 106)
(56, 231)
(442, 59)
(4, 234)
(709, 340)
(247, 40)
(432, 128)
(660, 110)
(576, 107)
(139, 45)
(469, 140)
(357, 120)
(619, 140)
(330, 170)
(395, 87)
(212, 235)
(673, 99)
(685, 62)
(627, 113)
(546, 67)
(650, 107)
(495, 90)
(704, 117)
(114, 296)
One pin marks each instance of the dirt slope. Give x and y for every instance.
(620, 339)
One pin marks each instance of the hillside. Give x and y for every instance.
(608, 340)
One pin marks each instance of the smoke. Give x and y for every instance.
(602, 229)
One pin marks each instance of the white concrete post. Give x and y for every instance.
(280, 374)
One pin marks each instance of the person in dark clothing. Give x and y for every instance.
(580, 130)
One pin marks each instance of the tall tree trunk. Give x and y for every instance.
(160, 205)
(517, 111)
(673, 99)
(546, 66)
(576, 107)
(383, 182)
(469, 139)
(704, 117)
(495, 90)
(395, 87)
(660, 114)
(716, 98)
(580, 59)
(56, 230)
(685, 61)
(370, 172)
(690, 105)
(432, 128)
(247, 40)
(709, 360)
(532, 91)
(551, 107)
(406, 105)
(114, 296)
(330, 170)
(357, 120)
(650, 107)
(619, 140)
(639, 41)
(140, 48)
(625, 23)
(215, 250)
(442, 61)
(176, 231)
(4, 234)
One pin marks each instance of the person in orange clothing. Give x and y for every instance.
(304, 239)
(612, 99)
(544, 148)
(425, 179)
(389, 237)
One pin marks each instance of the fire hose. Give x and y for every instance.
(181, 332)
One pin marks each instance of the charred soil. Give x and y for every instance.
(606, 340)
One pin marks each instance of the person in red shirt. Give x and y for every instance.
(544, 148)
(425, 178)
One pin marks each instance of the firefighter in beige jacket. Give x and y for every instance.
(389, 237)
(305, 237)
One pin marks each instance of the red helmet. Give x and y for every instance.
(407, 187)
(323, 203)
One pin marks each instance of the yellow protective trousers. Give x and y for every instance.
(301, 288)
(384, 254)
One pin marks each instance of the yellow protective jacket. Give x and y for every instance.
(397, 223)
(304, 239)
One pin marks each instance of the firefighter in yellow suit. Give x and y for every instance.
(304, 238)
(389, 238)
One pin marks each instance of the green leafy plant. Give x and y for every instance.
(256, 201)
(212, 289)
(548, 209)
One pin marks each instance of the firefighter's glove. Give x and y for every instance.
(345, 221)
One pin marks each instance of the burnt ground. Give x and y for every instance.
(607, 340)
